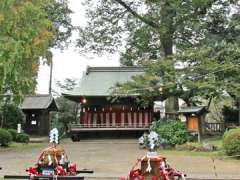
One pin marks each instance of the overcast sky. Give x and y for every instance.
(69, 63)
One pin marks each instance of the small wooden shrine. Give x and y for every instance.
(37, 110)
(195, 118)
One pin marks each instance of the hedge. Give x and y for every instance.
(173, 131)
(5, 137)
(22, 138)
(13, 132)
(231, 142)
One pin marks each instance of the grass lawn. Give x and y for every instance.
(215, 140)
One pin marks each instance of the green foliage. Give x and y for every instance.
(59, 125)
(204, 33)
(28, 29)
(67, 109)
(22, 138)
(148, 84)
(5, 137)
(231, 142)
(11, 115)
(151, 34)
(230, 114)
(174, 132)
(67, 112)
(212, 70)
(13, 133)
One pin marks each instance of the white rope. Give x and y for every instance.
(149, 168)
(49, 160)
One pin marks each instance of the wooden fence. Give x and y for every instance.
(215, 127)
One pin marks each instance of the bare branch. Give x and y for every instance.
(135, 14)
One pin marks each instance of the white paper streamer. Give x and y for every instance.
(54, 136)
(152, 138)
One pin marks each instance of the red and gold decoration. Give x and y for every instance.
(52, 164)
(53, 161)
(153, 168)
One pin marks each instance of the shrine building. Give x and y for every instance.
(98, 111)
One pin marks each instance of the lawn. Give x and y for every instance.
(216, 141)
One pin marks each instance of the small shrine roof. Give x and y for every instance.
(39, 102)
(193, 109)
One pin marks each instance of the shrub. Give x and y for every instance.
(189, 147)
(196, 147)
(174, 132)
(13, 114)
(13, 132)
(5, 137)
(231, 142)
(22, 138)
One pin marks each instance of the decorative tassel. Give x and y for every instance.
(49, 160)
(149, 168)
(62, 159)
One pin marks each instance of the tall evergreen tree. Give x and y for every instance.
(154, 32)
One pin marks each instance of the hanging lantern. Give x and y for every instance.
(84, 100)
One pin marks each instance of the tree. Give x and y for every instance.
(11, 116)
(67, 109)
(28, 29)
(153, 28)
(155, 25)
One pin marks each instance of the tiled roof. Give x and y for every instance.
(39, 102)
(98, 81)
(193, 109)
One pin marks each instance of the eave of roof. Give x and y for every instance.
(98, 81)
(39, 102)
(193, 109)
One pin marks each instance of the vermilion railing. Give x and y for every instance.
(117, 125)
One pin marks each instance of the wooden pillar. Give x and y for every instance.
(85, 116)
(44, 122)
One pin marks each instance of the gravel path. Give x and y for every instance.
(114, 158)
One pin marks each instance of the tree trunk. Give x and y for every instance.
(172, 107)
(166, 32)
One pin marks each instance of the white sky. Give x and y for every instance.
(69, 63)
